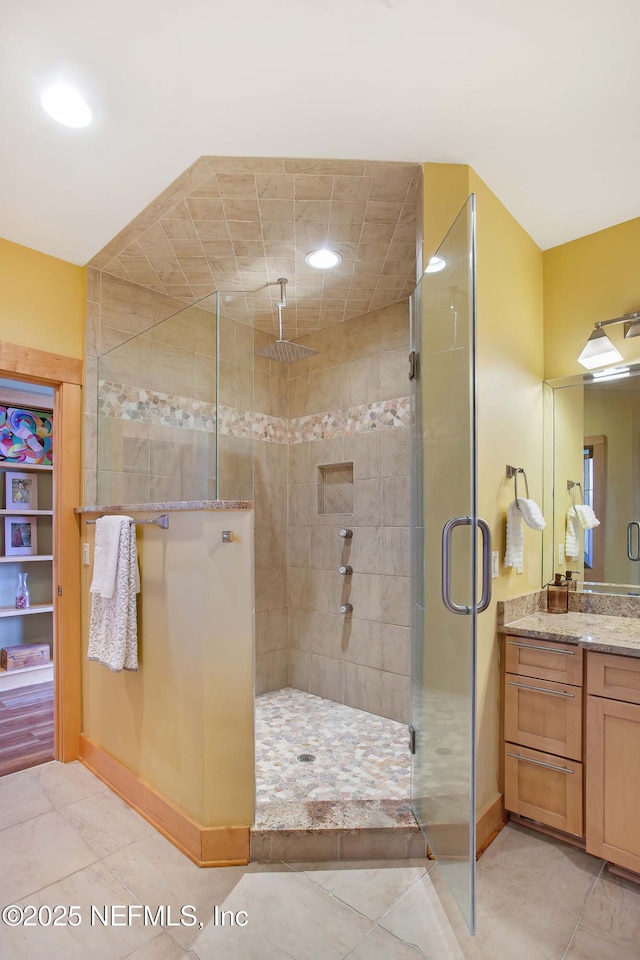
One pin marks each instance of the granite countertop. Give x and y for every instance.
(169, 505)
(591, 631)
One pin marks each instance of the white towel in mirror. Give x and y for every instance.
(572, 535)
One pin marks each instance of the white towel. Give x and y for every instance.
(514, 554)
(572, 535)
(530, 512)
(586, 516)
(113, 628)
(105, 559)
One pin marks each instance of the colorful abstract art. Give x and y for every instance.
(26, 436)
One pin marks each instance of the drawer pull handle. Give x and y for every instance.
(552, 693)
(541, 763)
(534, 646)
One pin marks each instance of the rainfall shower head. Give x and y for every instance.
(283, 350)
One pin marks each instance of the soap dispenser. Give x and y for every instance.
(558, 595)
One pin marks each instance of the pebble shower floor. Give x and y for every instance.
(359, 756)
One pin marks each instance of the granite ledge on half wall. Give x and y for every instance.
(168, 506)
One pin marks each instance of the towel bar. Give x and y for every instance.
(161, 521)
(512, 474)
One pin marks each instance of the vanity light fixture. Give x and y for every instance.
(599, 350)
(435, 265)
(323, 259)
(610, 373)
(66, 105)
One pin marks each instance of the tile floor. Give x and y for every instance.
(359, 756)
(66, 839)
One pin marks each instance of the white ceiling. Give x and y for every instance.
(542, 99)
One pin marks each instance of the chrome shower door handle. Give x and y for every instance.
(485, 599)
(635, 557)
(447, 531)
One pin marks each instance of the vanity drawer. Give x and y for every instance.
(544, 659)
(614, 676)
(543, 787)
(543, 715)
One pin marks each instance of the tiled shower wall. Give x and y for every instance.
(362, 660)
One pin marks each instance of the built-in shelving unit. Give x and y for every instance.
(33, 624)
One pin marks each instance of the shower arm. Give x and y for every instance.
(282, 303)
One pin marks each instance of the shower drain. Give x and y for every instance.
(306, 758)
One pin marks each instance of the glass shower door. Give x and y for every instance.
(447, 536)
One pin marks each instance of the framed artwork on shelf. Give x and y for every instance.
(25, 435)
(20, 536)
(21, 491)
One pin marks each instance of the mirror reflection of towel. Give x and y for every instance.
(572, 535)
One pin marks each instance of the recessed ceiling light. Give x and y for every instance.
(323, 259)
(435, 265)
(66, 105)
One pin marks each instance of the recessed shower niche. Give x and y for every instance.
(335, 488)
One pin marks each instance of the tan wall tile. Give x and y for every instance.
(394, 374)
(396, 601)
(363, 688)
(396, 551)
(327, 678)
(396, 649)
(361, 381)
(325, 390)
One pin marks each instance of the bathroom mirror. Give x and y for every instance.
(592, 456)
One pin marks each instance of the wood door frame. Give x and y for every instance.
(598, 445)
(65, 376)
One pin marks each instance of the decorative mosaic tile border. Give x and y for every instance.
(163, 409)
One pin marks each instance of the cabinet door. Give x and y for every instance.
(613, 676)
(543, 715)
(544, 659)
(544, 788)
(613, 781)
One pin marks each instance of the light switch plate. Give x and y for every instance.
(495, 565)
(560, 554)
(86, 554)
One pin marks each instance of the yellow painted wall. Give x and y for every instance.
(183, 722)
(42, 301)
(510, 369)
(593, 278)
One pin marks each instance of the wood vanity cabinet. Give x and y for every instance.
(543, 713)
(613, 751)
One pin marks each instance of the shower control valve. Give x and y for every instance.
(346, 608)
(346, 533)
(346, 571)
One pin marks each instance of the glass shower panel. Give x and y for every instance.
(444, 529)
(157, 411)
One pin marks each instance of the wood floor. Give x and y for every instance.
(26, 727)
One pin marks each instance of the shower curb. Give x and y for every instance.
(336, 830)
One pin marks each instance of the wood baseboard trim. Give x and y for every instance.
(205, 846)
(623, 873)
(548, 831)
(489, 822)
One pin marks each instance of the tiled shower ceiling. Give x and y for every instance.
(238, 224)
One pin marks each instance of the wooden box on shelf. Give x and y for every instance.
(24, 655)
